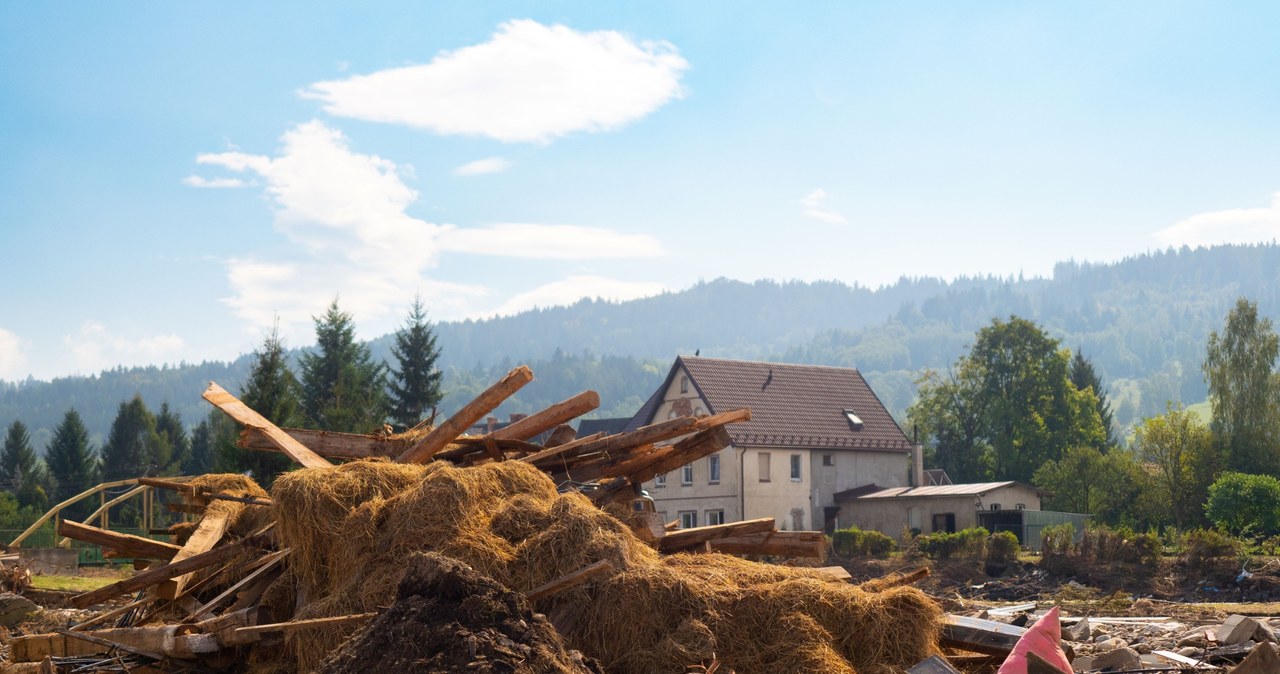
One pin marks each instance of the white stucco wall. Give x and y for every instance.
(891, 516)
(852, 468)
(701, 496)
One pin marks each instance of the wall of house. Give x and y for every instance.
(852, 468)
(780, 497)
(1009, 497)
(892, 516)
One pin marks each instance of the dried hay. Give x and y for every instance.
(352, 528)
(242, 519)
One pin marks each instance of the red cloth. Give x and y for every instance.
(1042, 639)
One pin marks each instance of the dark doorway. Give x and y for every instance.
(829, 516)
(945, 522)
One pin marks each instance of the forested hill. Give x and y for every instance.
(1144, 321)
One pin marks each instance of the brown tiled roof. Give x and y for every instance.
(791, 405)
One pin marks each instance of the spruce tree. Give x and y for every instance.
(169, 427)
(1083, 376)
(200, 460)
(133, 446)
(21, 470)
(71, 460)
(415, 387)
(342, 388)
(272, 390)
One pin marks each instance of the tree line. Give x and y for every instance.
(1020, 406)
(339, 387)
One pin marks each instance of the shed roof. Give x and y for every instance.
(970, 489)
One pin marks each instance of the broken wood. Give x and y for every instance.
(207, 534)
(549, 418)
(274, 560)
(776, 543)
(836, 574)
(688, 538)
(109, 615)
(329, 444)
(171, 485)
(247, 417)
(159, 574)
(126, 544)
(895, 580)
(304, 624)
(456, 425)
(574, 579)
(980, 636)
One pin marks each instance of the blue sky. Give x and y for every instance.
(177, 176)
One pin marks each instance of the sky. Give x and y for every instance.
(177, 178)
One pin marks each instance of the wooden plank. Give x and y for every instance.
(549, 418)
(207, 534)
(171, 485)
(564, 433)
(688, 538)
(305, 624)
(574, 579)
(456, 425)
(835, 573)
(895, 580)
(329, 444)
(112, 614)
(980, 636)
(687, 450)
(158, 574)
(934, 664)
(645, 435)
(126, 544)
(245, 416)
(274, 560)
(559, 450)
(779, 543)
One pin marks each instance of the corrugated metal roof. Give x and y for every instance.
(972, 489)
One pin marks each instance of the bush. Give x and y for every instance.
(1002, 547)
(1100, 543)
(1243, 504)
(1203, 546)
(1057, 540)
(854, 542)
(969, 543)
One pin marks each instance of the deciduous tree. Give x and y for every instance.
(1186, 460)
(1238, 368)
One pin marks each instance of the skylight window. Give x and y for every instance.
(855, 422)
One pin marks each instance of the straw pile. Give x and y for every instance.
(354, 527)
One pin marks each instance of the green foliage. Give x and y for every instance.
(21, 471)
(1057, 540)
(1204, 547)
(1238, 367)
(1084, 377)
(343, 389)
(272, 390)
(1008, 407)
(201, 459)
(1114, 487)
(1062, 550)
(169, 427)
(72, 463)
(1002, 547)
(1243, 504)
(1185, 458)
(415, 387)
(133, 446)
(968, 543)
(855, 542)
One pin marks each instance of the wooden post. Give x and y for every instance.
(456, 425)
(549, 418)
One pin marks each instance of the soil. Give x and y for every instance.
(449, 618)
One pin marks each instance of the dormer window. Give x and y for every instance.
(855, 422)
(684, 384)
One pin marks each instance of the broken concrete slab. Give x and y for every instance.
(1119, 659)
(1261, 660)
(15, 608)
(1079, 632)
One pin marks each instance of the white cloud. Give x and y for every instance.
(574, 288)
(1235, 225)
(94, 348)
(483, 166)
(529, 83)
(214, 183)
(815, 206)
(13, 359)
(562, 242)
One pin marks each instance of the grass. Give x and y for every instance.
(71, 583)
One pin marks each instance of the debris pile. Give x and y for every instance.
(329, 568)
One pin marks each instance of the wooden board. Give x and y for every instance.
(127, 545)
(574, 579)
(157, 574)
(779, 543)
(456, 425)
(207, 534)
(688, 538)
(245, 416)
(980, 636)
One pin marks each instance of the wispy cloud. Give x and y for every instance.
(13, 359)
(563, 242)
(94, 348)
(1234, 225)
(815, 206)
(214, 183)
(529, 83)
(483, 166)
(574, 288)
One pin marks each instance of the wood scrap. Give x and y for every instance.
(456, 425)
(158, 574)
(126, 544)
(549, 418)
(207, 534)
(245, 416)
(683, 539)
(776, 543)
(574, 579)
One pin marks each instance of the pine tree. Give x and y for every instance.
(71, 460)
(132, 446)
(415, 387)
(342, 388)
(201, 458)
(169, 427)
(1083, 376)
(21, 471)
(272, 390)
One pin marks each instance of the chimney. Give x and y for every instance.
(490, 423)
(917, 465)
(516, 417)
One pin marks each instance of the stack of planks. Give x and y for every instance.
(215, 580)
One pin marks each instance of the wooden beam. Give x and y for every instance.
(980, 636)
(688, 538)
(329, 444)
(109, 615)
(305, 624)
(549, 418)
(207, 534)
(456, 425)
(894, 580)
(545, 455)
(17, 542)
(687, 450)
(127, 544)
(245, 416)
(158, 574)
(205, 610)
(574, 579)
(779, 543)
(171, 485)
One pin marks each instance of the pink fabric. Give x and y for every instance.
(1042, 639)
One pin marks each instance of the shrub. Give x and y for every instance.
(1002, 547)
(970, 543)
(1245, 504)
(1100, 543)
(854, 542)
(1202, 546)
(1057, 540)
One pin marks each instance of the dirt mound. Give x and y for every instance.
(449, 618)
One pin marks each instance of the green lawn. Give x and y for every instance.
(71, 583)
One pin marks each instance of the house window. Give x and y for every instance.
(660, 481)
(686, 474)
(855, 422)
(684, 384)
(828, 460)
(944, 522)
(1021, 506)
(688, 519)
(913, 519)
(715, 517)
(713, 469)
(995, 506)
(764, 466)
(795, 467)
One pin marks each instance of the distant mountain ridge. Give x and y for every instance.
(1144, 321)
